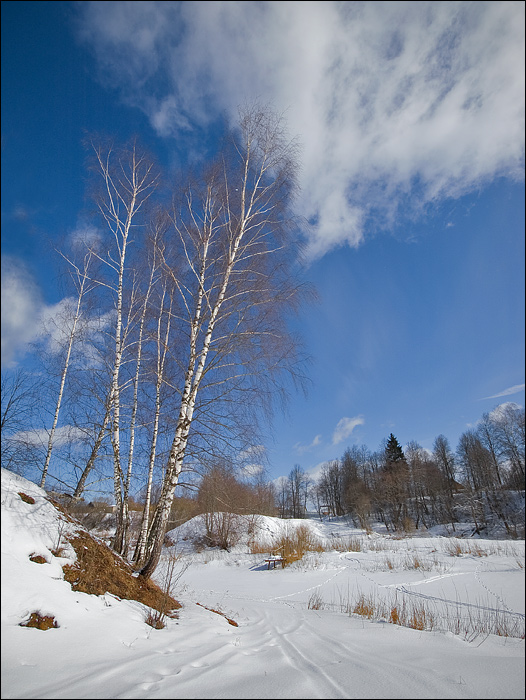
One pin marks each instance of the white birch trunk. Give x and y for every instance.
(140, 549)
(71, 340)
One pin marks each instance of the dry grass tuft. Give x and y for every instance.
(394, 616)
(346, 544)
(291, 546)
(455, 548)
(364, 607)
(316, 601)
(420, 619)
(155, 618)
(98, 570)
(40, 622)
(26, 498)
(38, 559)
(256, 547)
(295, 544)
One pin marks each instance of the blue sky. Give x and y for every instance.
(411, 120)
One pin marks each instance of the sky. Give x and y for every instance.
(410, 117)
(282, 646)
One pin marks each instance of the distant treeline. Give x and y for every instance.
(482, 481)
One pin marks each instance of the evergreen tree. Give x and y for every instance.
(393, 451)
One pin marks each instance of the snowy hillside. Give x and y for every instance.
(245, 631)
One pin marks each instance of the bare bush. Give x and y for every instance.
(156, 617)
(222, 530)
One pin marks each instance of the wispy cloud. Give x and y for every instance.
(85, 236)
(252, 471)
(27, 319)
(301, 449)
(252, 452)
(21, 309)
(345, 427)
(507, 392)
(250, 461)
(39, 437)
(397, 105)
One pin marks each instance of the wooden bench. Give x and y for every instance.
(273, 559)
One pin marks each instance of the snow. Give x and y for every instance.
(281, 648)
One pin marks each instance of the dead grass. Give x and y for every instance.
(38, 559)
(26, 498)
(218, 612)
(315, 601)
(40, 622)
(420, 619)
(455, 548)
(346, 544)
(466, 621)
(98, 570)
(364, 606)
(293, 545)
(256, 547)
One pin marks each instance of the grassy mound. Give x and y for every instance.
(98, 570)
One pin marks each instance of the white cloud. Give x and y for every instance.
(251, 471)
(507, 392)
(301, 449)
(315, 472)
(21, 309)
(252, 452)
(398, 105)
(345, 427)
(503, 411)
(57, 324)
(85, 235)
(63, 435)
(250, 461)
(26, 319)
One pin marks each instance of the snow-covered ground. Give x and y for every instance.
(294, 636)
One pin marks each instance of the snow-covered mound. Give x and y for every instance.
(244, 531)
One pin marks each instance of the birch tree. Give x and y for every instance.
(128, 178)
(236, 286)
(162, 340)
(83, 285)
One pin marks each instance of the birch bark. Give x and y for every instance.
(82, 280)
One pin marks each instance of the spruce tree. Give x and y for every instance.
(393, 451)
